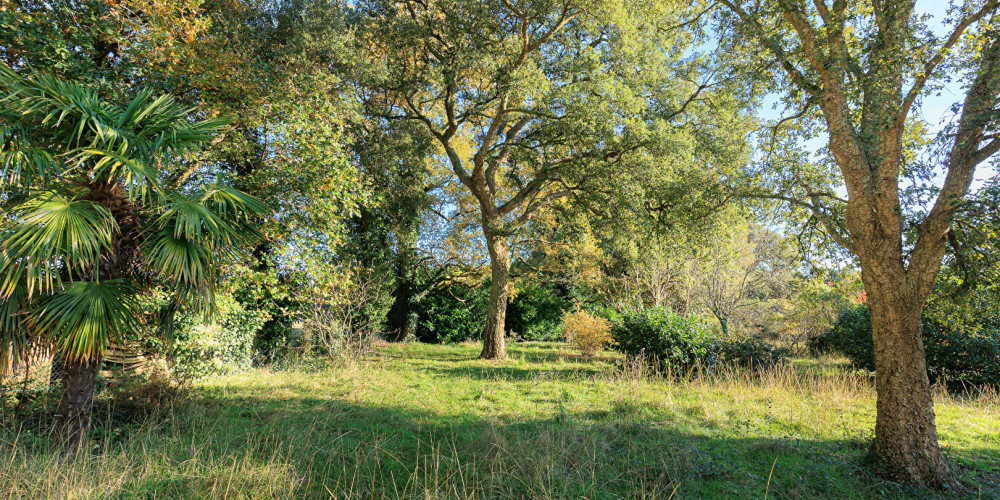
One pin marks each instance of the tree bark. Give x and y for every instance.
(905, 448)
(72, 419)
(494, 343)
(401, 318)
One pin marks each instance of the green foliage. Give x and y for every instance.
(268, 293)
(452, 312)
(967, 292)
(751, 352)
(954, 355)
(670, 340)
(681, 343)
(850, 335)
(535, 313)
(222, 345)
(89, 224)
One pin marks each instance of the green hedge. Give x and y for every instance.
(659, 334)
(969, 357)
(535, 313)
(452, 313)
(680, 343)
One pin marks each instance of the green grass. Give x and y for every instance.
(426, 421)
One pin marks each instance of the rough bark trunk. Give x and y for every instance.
(905, 447)
(400, 320)
(494, 344)
(72, 419)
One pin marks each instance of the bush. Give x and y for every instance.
(586, 332)
(850, 335)
(453, 312)
(343, 317)
(225, 344)
(751, 352)
(536, 312)
(664, 337)
(969, 357)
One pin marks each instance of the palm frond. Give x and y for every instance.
(85, 316)
(16, 346)
(23, 164)
(138, 176)
(233, 203)
(181, 261)
(70, 122)
(54, 233)
(220, 216)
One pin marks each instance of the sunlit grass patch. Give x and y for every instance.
(428, 421)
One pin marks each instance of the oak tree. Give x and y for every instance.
(858, 71)
(533, 101)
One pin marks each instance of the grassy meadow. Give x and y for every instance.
(431, 421)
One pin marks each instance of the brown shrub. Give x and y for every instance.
(586, 332)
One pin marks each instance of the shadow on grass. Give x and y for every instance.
(296, 442)
(343, 449)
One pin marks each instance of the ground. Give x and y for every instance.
(431, 421)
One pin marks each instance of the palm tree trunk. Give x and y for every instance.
(72, 419)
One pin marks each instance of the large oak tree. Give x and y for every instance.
(532, 101)
(859, 70)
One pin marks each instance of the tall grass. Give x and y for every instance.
(431, 422)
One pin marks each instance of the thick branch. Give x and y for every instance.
(956, 35)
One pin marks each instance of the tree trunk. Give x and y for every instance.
(72, 419)
(905, 448)
(494, 345)
(724, 324)
(401, 319)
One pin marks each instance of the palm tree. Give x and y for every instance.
(87, 224)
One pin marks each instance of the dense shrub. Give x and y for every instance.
(751, 352)
(669, 339)
(586, 332)
(222, 345)
(970, 357)
(452, 313)
(535, 312)
(850, 335)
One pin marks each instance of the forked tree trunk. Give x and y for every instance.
(905, 447)
(72, 419)
(494, 344)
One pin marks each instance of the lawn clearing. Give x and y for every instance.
(430, 421)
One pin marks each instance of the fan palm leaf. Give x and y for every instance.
(54, 234)
(95, 137)
(85, 316)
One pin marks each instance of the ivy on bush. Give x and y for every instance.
(222, 345)
(970, 357)
(452, 313)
